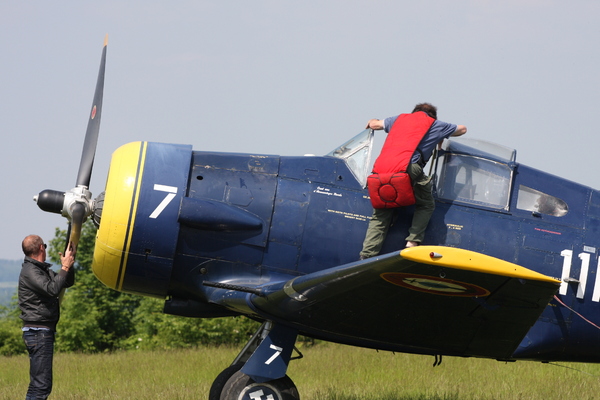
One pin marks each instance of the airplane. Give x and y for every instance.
(508, 271)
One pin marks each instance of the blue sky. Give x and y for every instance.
(288, 78)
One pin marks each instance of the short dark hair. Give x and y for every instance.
(427, 108)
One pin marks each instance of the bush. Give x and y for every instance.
(156, 330)
(11, 341)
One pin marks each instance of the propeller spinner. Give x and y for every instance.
(77, 204)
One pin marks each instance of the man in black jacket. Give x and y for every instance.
(39, 290)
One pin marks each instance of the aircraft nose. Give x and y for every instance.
(137, 217)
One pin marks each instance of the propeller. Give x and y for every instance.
(77, 204)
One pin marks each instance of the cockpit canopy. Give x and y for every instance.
(469, 171)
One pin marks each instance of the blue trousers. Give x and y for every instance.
(40, 346)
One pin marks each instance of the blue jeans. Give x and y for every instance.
(40, 345)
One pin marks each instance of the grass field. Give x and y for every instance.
(327, 372)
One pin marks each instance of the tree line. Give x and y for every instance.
(95, 318)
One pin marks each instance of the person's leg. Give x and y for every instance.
(424, 204)
(40, 346)
(376, 232)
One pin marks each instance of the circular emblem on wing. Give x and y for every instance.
(434, 285)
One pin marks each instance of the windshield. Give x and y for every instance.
(357, 154)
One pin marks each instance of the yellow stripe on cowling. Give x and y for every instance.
(133, 212)
(471, 261)
(118, 214)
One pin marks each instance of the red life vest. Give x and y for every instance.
(390, 185)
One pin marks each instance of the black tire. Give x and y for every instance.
(239, 387)
(221, 379)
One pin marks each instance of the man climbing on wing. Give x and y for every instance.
(410, 142)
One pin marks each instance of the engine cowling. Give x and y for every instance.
(137, 238)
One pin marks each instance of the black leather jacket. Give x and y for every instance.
(39, 290)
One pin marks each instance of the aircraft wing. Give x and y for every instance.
(426, 299)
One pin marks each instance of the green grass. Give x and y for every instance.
(327, 372)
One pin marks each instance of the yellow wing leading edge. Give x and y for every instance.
(471, 261)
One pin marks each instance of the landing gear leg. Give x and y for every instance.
(258, 372)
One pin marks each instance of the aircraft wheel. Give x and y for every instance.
(241, 387)
(221, 379)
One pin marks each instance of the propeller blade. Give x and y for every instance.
(68, 238)
(77, 220)
(91, 135)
